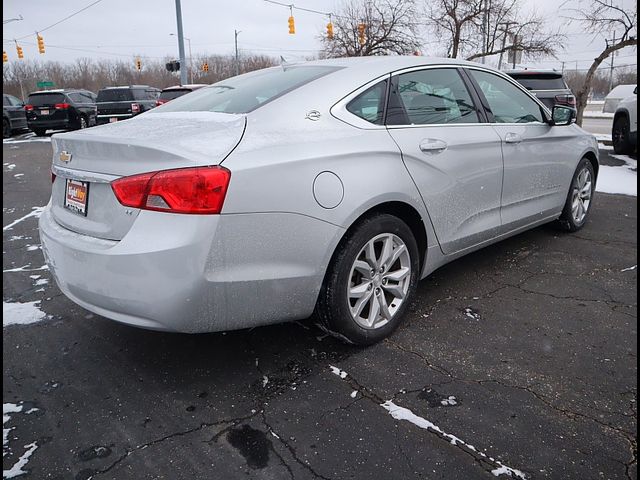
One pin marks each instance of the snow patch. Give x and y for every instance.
(21, 313)
(25, 268)
(22, 461)
(36, 212)
(336, 371)
(354, 394)
(629, 269)
(449, 402)
(401, 413)
(621, 180)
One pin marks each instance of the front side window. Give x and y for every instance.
(508, 103)
(369, 105)
(245, 93)
(431, 96)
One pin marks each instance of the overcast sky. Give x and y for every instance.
(126, 28)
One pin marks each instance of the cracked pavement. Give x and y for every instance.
(525, 350)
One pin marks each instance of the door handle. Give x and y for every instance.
(433, 146)
(512, 138)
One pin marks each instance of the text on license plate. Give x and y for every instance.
(76, 196)
(44, 112)
(113, 119)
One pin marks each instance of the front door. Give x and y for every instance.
(537, 156)
(454, 157)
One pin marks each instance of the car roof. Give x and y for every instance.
(127, 86)
(621, 91)
(533, 73)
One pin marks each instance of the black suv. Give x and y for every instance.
(547, 85)
(13, 116)
(120, 103)
(67, 109)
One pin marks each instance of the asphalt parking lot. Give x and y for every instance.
(516, 361)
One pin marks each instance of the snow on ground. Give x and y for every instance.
(35, 212)
(401, 413)
(18, 467)
(21, 313)
(621, 180)
(28, 137)
(588, 114)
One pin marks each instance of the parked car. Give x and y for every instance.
(548, 86)
(330, 186)
(625, 125)
(615, 96)
(171, 93)
(64, 109)
(13, 115)
(121, 103)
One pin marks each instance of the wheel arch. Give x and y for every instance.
(402, 210)
(593, 159)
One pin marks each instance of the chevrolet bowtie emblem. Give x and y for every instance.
(65, 156)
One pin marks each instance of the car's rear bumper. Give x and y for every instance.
(191, 273)
(107, 118)
(58, 124)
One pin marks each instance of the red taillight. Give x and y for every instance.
(198, 190)
(160, 102)
(135, 107)
(61, 106)
(568, 100)
(28, 108)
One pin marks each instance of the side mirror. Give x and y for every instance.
(563, 115)
(635, 91)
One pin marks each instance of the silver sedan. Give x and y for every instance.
(329, 187)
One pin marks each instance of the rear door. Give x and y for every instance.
(453, 155)
(537, 157)
(15, 109)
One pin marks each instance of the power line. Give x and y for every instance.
(62, 20)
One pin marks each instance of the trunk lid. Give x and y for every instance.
(146, 143)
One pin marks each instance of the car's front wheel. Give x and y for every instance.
(370, 281)
(620, 136)
(580, 198)
(40, 132)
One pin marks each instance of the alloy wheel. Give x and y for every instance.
(379, 281)
(581, 198)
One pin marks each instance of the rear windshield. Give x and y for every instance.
(45, 99)
(171, 94)
(540, 82)
(115, 95)
(247, 92)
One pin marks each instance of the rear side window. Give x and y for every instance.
(432, 96)
(540, 82)
(508, 103)
(5, 101)
(45, 99)
(77, 98)
(115, 95)
(369, 105)
(173, 94)
(247, 92)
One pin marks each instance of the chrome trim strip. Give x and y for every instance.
(82, 175)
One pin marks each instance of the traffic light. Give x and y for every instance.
(5, 57)
(138, 64)
(361, 29)
(40, 43)
(292, 25)
(330, 30)
(19, 50)
(173, 66)
(205, 67)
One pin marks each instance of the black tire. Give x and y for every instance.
(332, 308)
(39, 132)
(620, 135)
(567, 222)
(6, 128)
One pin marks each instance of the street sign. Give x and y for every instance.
(44, 84)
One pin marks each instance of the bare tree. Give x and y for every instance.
(604, 17)
(389, 27)
(474, 29)
(21, 77)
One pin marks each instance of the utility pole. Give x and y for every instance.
(613, 55)
(484, 32)
(504, 40)
(236, 33)
(563, 67)
(183, 70)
